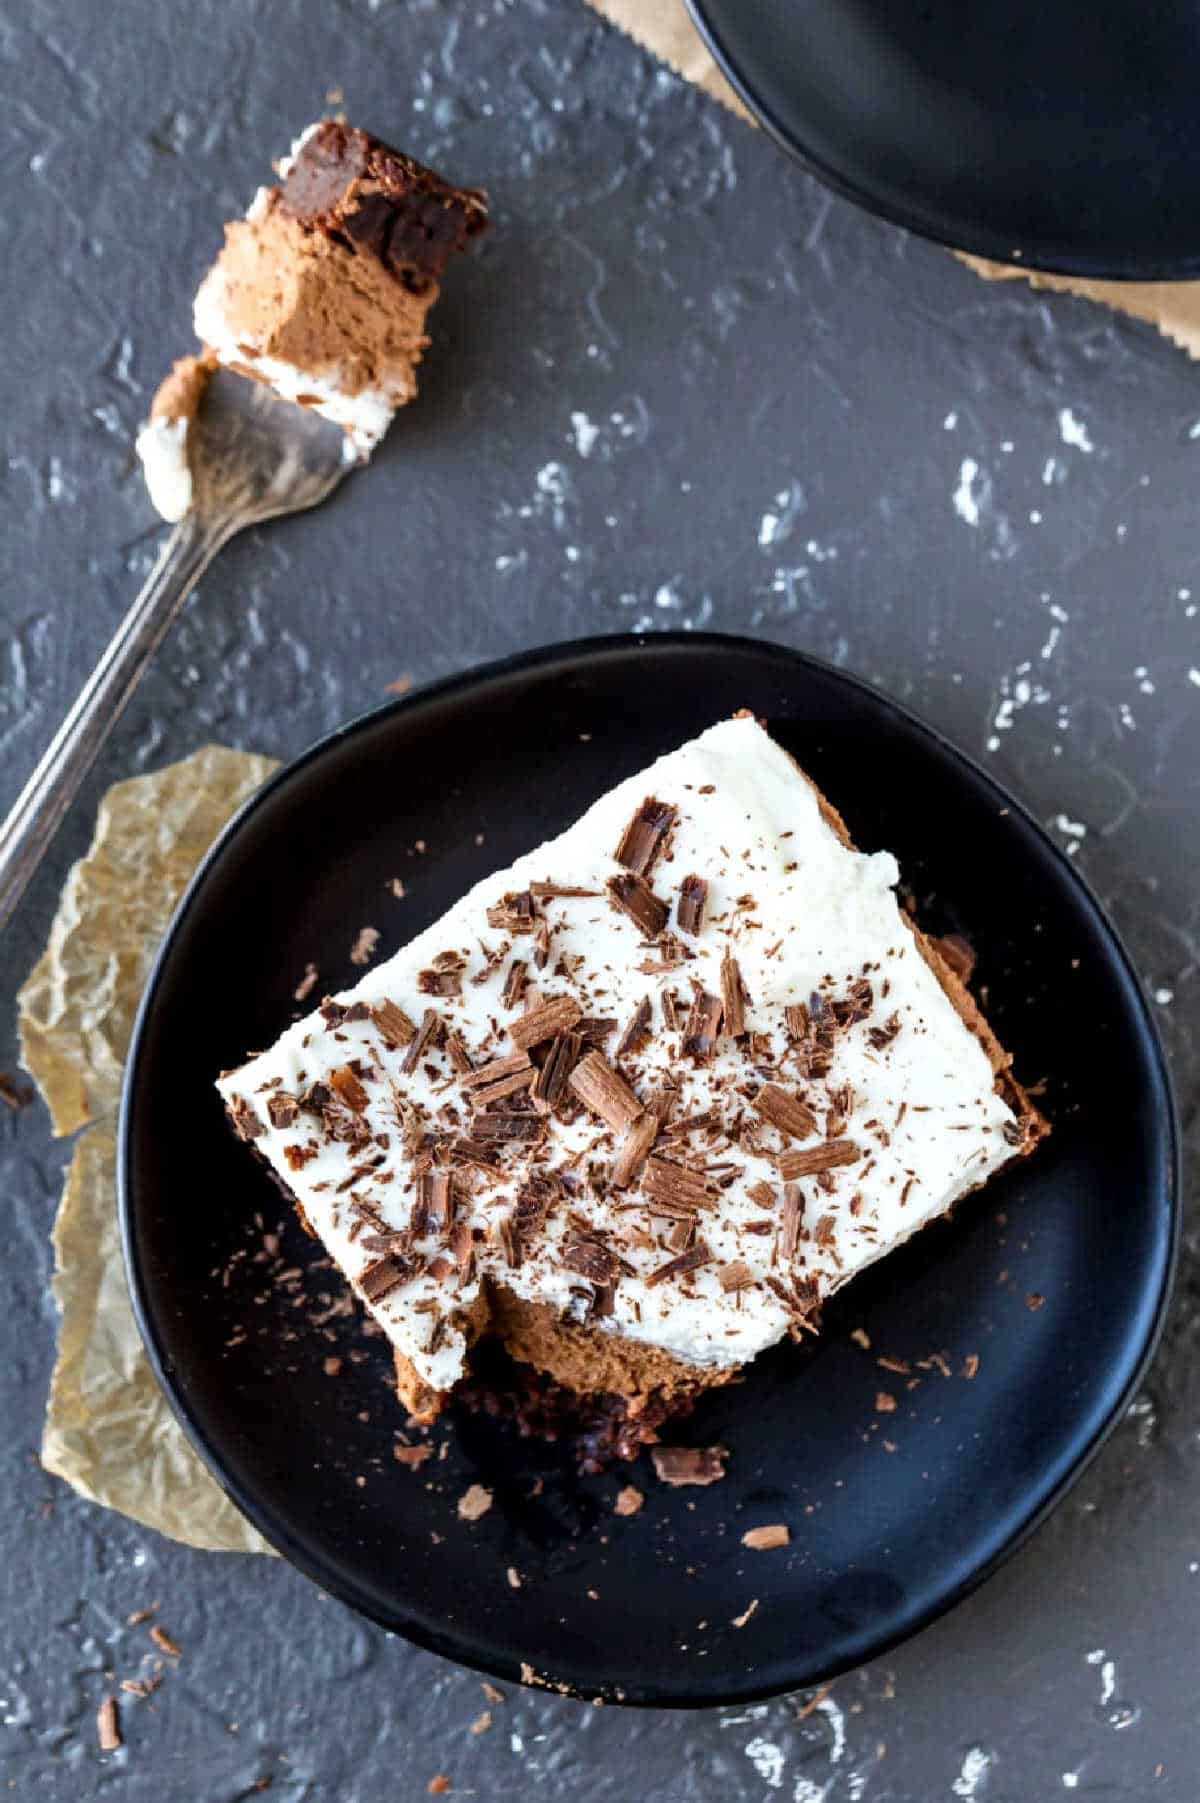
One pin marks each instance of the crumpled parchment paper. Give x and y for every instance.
(109, 1431)
(664, 28)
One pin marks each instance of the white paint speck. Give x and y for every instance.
(837, 1728)
(951, 420)
(1194, 677)
(516, 1743)
(767, 1760)
(975, 1768)
(807, 1792)
(966, 502)
(779, 520)
(1035, 518)
(1050, 471)
(1164, 996)
(1072, 431)
(1052, 638)
(1072, 829)
(1108, 1681)
(585, 433)
(1070, 1780)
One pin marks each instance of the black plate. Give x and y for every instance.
(1063, 134)
(882, 1539)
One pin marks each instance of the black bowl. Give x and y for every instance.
(1061, 134)
(892, 1516)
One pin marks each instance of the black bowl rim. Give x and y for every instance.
(573, 651)
(1033, 256)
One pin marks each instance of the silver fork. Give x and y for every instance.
(253, 457)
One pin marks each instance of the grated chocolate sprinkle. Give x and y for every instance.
(733, 996)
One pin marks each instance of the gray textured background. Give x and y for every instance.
(680, 385)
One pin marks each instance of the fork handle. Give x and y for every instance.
(39, 808)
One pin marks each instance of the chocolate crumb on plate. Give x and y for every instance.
(363, 949)
(739, 1621)
(108, 1726)
(165, 1643)
(307, 983)
(629, 1501)
(474, 1502)
(681, 1465)
(762, 1540)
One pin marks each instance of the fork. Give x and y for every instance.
(253, 457)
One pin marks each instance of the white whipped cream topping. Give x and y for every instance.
(162, 446)
(924, 1107)
(364, 416)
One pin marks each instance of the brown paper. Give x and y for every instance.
(109, 1431)
(664, 28)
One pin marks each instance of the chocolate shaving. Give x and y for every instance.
(762, 1193)
(510, 1242)
(677, 1465)
(594, 1029)
(604, 1093)
(780, 1108)
(433, 1205)
(855, 1005)
(447, 981)
(551, 1085)
(637, 1033)
(456, 1051)
(428, 1034)
(678, 1267)
(689, 909)
(541, 943)
(501, 1126)
(811, 1159)
(632, 895)
(733, 995)
(395, 1028)
(736, 1276)
(646, 835)
(490, 1093)
(558, 1015)
(553, 891)
(669, 1004)
(702, 1026)
(382, 1277)
(591, 1260)
(344, 1081)
(674, 1189)
(682, 1235)
(823, 1232)
(882, 1036)
(514, 984)
(495, 1071)
(634, 1149)
(789, 1221)
(514, 913)
(534, 1201)
(246, 1123)
(462, 1245)
(282, 1110)
(796, 1021)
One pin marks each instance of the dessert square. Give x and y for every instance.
(638, 1104)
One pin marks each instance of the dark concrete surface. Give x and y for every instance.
(679, 385)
